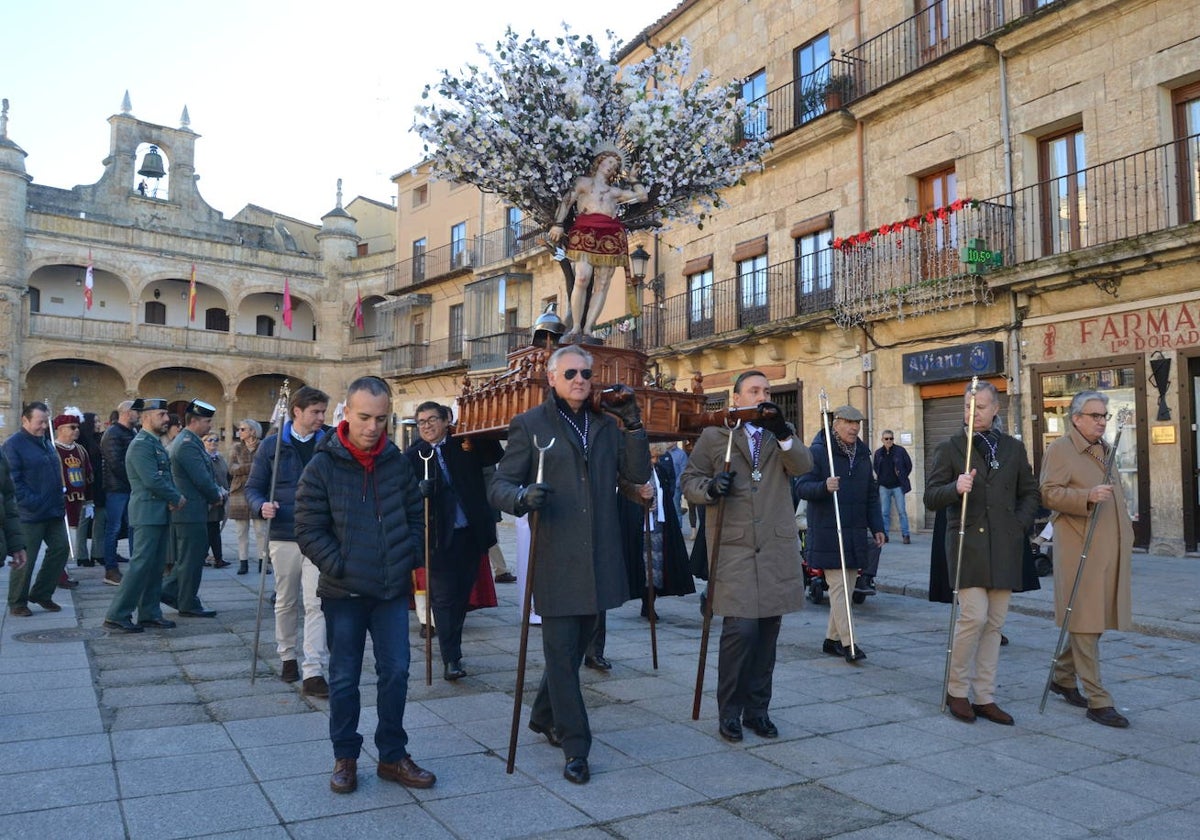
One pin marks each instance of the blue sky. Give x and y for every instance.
(287, 97)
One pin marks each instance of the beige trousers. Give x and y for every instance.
(839, 623)
(981, 614)
(1082, 659)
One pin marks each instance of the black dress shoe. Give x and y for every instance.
(200, 613)
(833, 647)
(1069, 693)
(551, 735)
(577, 771)
(761, 726)
(124, 625)
(506, 577)
(857, 654)
(161, 623)
(1108, 716)
(454, 671)
(597, 663)
(731, 729)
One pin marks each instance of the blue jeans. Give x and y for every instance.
(347, 622)
(886, 495)
(114, 506)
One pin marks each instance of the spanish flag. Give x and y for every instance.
(192, 295)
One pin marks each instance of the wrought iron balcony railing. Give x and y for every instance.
(469, 254)
(789, 106)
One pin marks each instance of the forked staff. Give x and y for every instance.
(1109, 461)
(837, 518)
(962, 537)
(279, 420)
(526, 606)
(712, 578)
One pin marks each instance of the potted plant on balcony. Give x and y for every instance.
(837, 91)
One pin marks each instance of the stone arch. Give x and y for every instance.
(88, 384)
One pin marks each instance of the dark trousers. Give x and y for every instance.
(452, 574)
(181, 586)
(599, 636)
(52, 532)
(214, 540)
(559, 700)
(142, 585)
(746, 665)
(347, 622)
(115, 504)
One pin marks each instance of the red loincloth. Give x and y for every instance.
(598, 239)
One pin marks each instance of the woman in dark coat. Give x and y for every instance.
(672, 575)
(858, 504)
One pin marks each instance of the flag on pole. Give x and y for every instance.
(192, 295)
(359, 320)
(88, 282)
(287, 303)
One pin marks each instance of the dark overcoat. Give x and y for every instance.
(758, 570)
(578, 565)
(466, 487)
(858, 504)
(1000, 510)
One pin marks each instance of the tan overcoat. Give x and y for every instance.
(758, 571)
(1069, 472)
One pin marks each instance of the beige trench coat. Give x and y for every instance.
(1103, 600)
(758, 573)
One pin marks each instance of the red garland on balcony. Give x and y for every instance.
(941, 214)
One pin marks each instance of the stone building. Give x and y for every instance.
(148, 239)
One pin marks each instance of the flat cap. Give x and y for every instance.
(848, 412)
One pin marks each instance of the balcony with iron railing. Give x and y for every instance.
(422, 358)
(487, 352)
(490, 248)
(158, 336)
(829, 88)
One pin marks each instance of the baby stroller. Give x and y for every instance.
(815, 586)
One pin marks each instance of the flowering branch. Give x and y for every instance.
(528, 124)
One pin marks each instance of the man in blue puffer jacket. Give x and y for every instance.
(37, 478)
(359, 519)
(295, 579)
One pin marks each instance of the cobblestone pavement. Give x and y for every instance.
(161, 735)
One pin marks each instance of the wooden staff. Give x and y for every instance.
(428, 581)
(962, 538)
(712, 579)
(526, 606)
(1087, 544)
(650, 587)
(837, 518)
(280, 418)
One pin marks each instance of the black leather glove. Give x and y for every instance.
(533, 497)
(427, 488)
(621, 401)
(770, 417)
(720, 485)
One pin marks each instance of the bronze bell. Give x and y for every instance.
(152, 164)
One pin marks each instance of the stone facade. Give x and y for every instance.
(1072, 125)
(144, 238)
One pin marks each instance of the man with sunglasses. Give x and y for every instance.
(892, 468)
(1075, 487)
(578, 570)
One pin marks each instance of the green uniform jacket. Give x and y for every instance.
(12, 538)
(150, 483)
(193, 471)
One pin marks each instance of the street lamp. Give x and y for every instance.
(638, 260)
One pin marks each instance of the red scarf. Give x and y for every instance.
(367, 459)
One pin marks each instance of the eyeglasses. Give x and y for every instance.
(887, 438)
(569, 373)
(212, 440)
(429, 421)
(1098, 417)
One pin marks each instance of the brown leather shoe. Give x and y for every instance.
(345, 776)
(993, 713)
(290, 672)
(48, 605)
(406, 772)
(1069, 693)
(960, 708)
(21, 610)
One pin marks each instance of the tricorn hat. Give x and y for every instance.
(199, 408)
(149, 404)
(848, 412)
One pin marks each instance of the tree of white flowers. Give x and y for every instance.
(528, 124)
